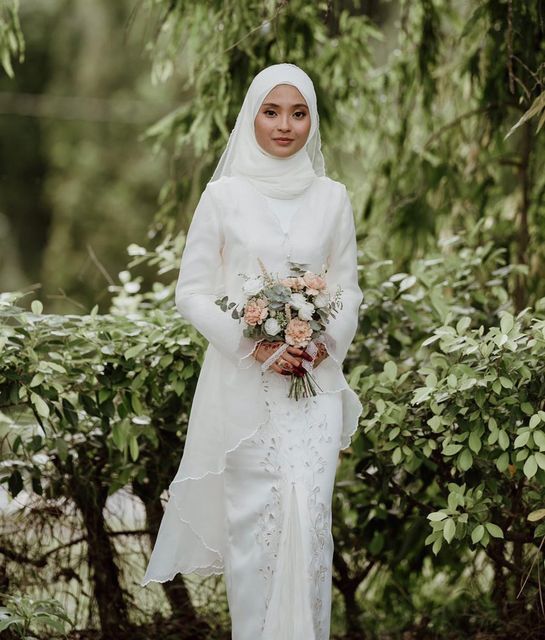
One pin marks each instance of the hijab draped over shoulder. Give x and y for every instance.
(278, 177)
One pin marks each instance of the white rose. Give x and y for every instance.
(305, 313)
(321, 300)
(298, 300)
(271, 326)
(253, 286)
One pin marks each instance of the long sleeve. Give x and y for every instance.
(343, 271)
(199, 283)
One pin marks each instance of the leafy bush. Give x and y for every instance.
(451, 449)
(23, 617)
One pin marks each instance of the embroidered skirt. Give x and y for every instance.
(278, 490)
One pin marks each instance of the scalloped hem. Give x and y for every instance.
(217, 566)
(204, 571)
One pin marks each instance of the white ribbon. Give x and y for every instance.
(274, 356)
(311, 349)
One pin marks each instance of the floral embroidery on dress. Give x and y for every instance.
(292, 439)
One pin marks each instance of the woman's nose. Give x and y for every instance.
(284, 124)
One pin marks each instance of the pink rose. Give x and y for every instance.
(294, 283)
(314, 283)
(298, 333)
(255, 311)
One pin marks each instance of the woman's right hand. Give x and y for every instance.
(293, 366)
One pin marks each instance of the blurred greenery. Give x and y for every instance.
(77, 184)
(431, 113)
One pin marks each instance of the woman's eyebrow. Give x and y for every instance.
(272, 104)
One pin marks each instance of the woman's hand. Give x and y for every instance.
(289, 363)
(321, 355)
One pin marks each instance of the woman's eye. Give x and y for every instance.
(267, 111)
(302, 113)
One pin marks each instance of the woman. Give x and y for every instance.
(252, 496)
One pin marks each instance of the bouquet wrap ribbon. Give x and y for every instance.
(311, 349)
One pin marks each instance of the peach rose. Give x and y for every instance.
(294, 283)
(298, 333)
(314, 283)
(256, 311)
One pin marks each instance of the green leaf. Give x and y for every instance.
(133, 447)
(494, 530)
(475, 443)
(534, 516)
(37, 379)
(137, 405)
(506, 323)
(62, 448)
(521, 441)
(421, 394)
(527, 408)
(539, 439)
(390, 370)
(134, 351)
(40, 405)
(502, 462)
(540, 459)
(436, 547)
(449, 530)
(465, 460)
(407, 283)
(4, 624)
(530, 467)
(503, 439)
(463, 324)
(436, 516)
(452, 449)
(119, 434)
(477, 534)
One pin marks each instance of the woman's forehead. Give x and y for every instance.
(285, 95)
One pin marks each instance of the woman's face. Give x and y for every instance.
(282, 123)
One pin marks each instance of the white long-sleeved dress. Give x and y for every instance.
(252, 495)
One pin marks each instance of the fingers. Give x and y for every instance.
(299, 352)
(278, 369)
(265, 349)
(285, 372)
(295, 362)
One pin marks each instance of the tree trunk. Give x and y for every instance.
(112, 608)
(348, 585)
(521, 287)
(175, 589)
(499, 586)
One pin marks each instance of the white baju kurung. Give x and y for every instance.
(252, 495)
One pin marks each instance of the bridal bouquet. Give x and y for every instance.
(294, 309)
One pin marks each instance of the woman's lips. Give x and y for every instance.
(283, 141)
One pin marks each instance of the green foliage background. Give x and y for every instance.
(439, 502)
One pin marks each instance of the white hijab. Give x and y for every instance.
(243, 156)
